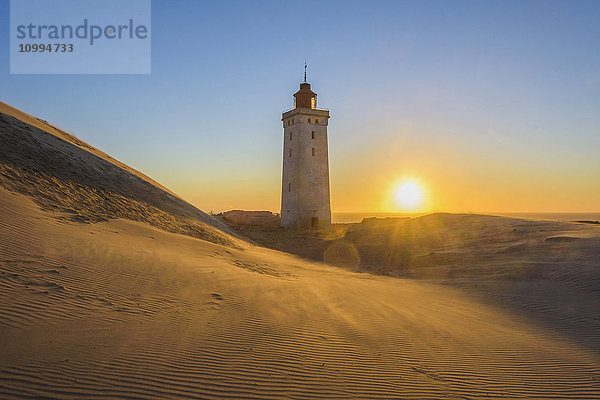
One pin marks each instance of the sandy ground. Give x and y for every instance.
(122, 309)
(528, 266)
(112, 304)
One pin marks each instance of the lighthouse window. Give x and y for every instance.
(316, 121)
(313, 102)
(309, 120)
(290, 135)
(289, 188)
(290, 152)
(313, 151)
(313, 135)
(292, 121)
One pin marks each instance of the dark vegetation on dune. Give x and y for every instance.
(64, 174)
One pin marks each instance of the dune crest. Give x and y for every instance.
(63, 173)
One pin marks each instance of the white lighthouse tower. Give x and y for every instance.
(305, 186)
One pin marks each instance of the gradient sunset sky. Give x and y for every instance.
(493, 106)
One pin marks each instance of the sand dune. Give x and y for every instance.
(118, 303)
(547, 270)
(18, 121)
(122, 309)
(63, 173)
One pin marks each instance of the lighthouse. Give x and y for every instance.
(305, 199)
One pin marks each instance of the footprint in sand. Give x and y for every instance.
(215, 302)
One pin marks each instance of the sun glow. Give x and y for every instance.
(409, 195)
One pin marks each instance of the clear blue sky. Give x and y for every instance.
(460, 94)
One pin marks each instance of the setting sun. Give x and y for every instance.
(409, 195)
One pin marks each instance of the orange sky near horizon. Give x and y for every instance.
(491, 107)
(454, 176)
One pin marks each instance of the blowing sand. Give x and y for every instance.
(123, 307)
